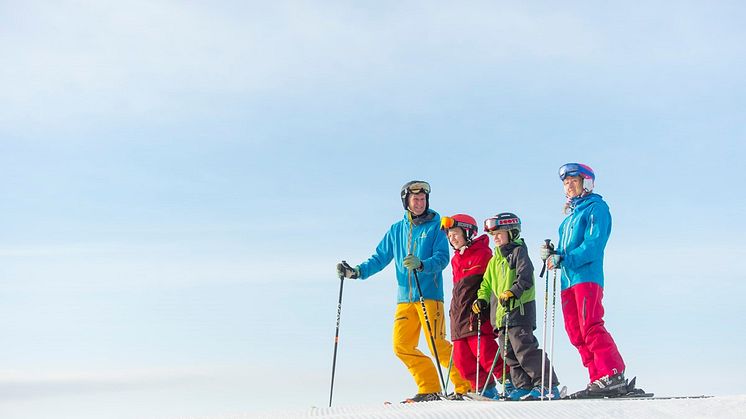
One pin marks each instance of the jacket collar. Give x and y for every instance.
(423, 218)
(508, 248)
(581, 201)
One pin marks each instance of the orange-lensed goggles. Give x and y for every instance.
(448, 223)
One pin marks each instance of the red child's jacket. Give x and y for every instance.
(468, 269)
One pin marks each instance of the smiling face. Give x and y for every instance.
(417, 203)
(573, 186)
(456, 237)
(500, 237)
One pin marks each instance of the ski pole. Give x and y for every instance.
(429, 329)
(505, 349)
(554, 305)
(336, 336)
(546, 304)
(448, 375)
(479, 340)
(492, 368)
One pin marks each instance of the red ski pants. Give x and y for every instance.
(584, 323)
(465, 357)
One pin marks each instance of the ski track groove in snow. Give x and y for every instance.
(715, 407)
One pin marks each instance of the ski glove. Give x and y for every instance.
(480, 306)
(505, 297)
(546, 251)
(554, 261)
(412, 262)
(346, 271)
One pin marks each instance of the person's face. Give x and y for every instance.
(500, 237)
(456, 237)
(417, 203)
(573, 186)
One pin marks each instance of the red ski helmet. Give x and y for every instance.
(466, 222)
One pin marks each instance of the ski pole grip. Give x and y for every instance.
(344, 267)
(548, 244)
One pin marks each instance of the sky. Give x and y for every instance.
(179, 180)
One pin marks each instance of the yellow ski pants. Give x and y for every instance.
(408, 321)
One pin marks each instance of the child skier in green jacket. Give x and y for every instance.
(508, 287)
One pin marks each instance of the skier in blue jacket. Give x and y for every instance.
(579, 255)
(416, 243)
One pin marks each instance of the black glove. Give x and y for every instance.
(480, 306)
(346, 271)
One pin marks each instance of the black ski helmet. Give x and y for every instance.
(504, 221)
(415, 186)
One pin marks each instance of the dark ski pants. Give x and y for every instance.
(524, 358)
(465, 357)
(584, 323)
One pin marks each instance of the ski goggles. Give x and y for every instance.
(575, 169)
(447, 223)
(419, 187)
(494, 224)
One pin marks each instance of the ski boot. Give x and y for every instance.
(614, 385)
(518, 393)
(536, 393)
(491, 392)
(423, 397)
(508, 386)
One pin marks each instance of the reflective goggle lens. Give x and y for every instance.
(419, 187)
(446, 223)
(569, 170)
(490, 224)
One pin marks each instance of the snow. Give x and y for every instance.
(712, 407)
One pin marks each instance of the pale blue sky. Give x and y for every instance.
(180, 178)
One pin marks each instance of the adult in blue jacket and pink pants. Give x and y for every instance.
(579, 255)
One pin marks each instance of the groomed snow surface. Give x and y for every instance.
(713, 407)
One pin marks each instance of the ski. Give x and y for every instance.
(411, 400)
(631, 392)
(650, 396)
(479, 398)
(637, 396)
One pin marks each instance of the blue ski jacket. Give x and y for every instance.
(421, 237)
(582, 239)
